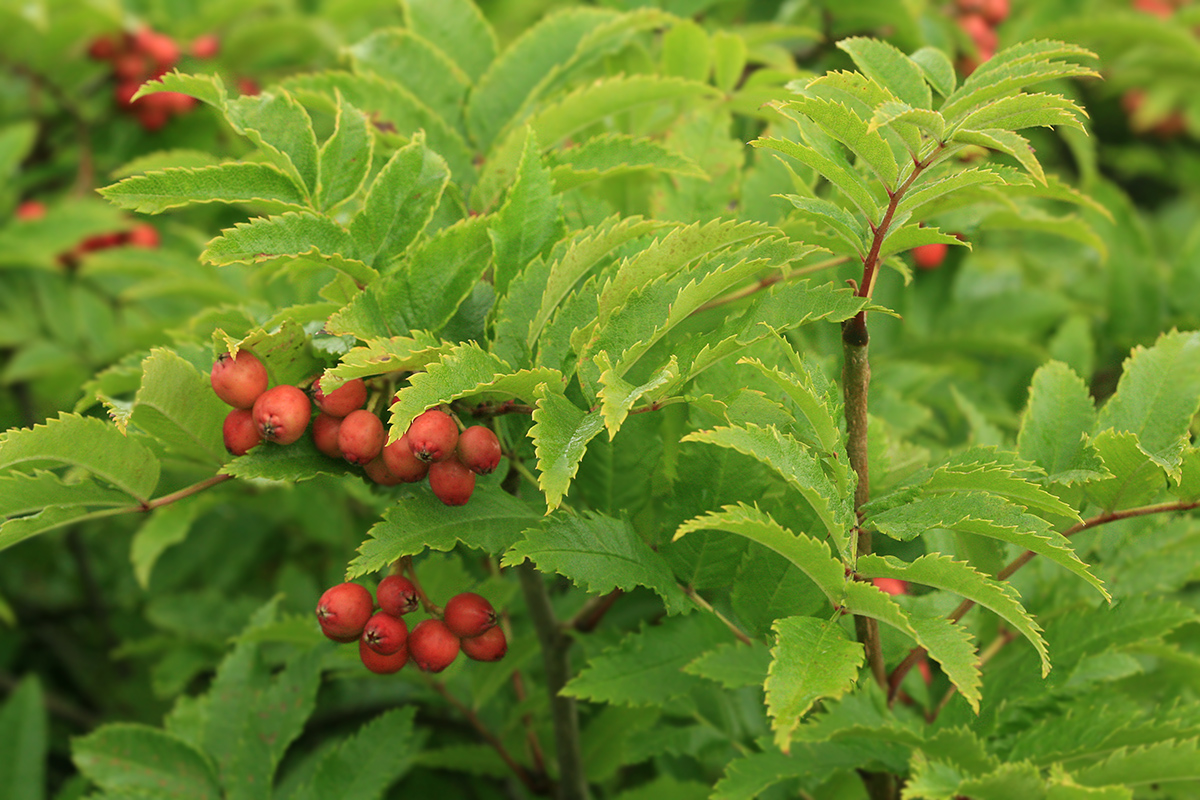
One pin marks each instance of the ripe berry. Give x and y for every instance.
(399, 459)
(102, 48)
(239, 380)
(396, 595)
(432, 646)
(930, 256)
(325, 433)
(341, 401)
(159, 47)
(240, 432)
(205, 46)
(491, 645)
(468, 614)
(281, 414)
(361, 436)
(143, 236)
(893, 586)
(451, 482)
(30, 209)
(379, 664)
(385, 634)
(433, 435)
(343, 611)
(377, 472)
(479, 449)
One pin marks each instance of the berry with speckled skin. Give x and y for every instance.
(479, 450)
(239, 380)
(451, 482)
(281, 414)
(433, 436)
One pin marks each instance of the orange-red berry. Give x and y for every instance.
(468, 614)
(341, 401)
(399, 459)
(491, 645)
(479, 450)
(281, 414)
(343, 611)
(361, 436)
(240, 432)
(396, 595)
(432, 646)
(239, 380)
(451, 482)
(380, 664)
(433, 435)
(385, 634)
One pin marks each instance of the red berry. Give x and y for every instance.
(130, 67)
(282, 413)
(248, 86)
(491, 645)
(479, 449)
(981, 33)
(325, 433)
(451, 482)
(995, 11)
(433, 435)
(930, 256)
(31, 209)
(1158, 8)
(379, 664)
(432, 646)
(158, 46)
(385, 634)
(396, 595)
(102, 48)
(143, 236)
(341, 401)
(377, 472)
(205, 46)
(343, 611)
(240, 432)
(893, 586)
(239, 380)
(399, 459)
(468, 614)
(124, 92)
(361, 436)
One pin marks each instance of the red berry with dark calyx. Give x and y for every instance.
(396, 595)
(385, 634)
(343, 611)
(399, 459)
(491, 645)
(239, 379)
(341, 401)
(325, 434)
(433, 435)
(281, 414)
(451, 482)
(930, 256)
(240, 432)
(361, 436)
(380, 664)
(479, 450)
(432, 646)
(468, 614)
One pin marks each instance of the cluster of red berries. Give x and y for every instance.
(978, 19)
(1172, 123)
(347, 613)
(143, 235)
(142, 56)
(432, 446)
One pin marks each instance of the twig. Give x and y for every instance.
(488, 736)
(587, 618)
(700, 601)
(769, 281)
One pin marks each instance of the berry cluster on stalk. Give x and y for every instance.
(141, 235)
(347, 612)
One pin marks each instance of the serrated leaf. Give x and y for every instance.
(139, 759)
(733, 665)
(208, 89)
(528, 222)
(1014, 144)
(848, 182)
(836, 219)
(928, 189)
(235, 182)
(903, 238)
(811, 660)
(851, 130)
(560, 434)
(400, 203)
(438, 276)
(175, 405)
(164, 526)
(1157, 396)
(612, 154)
(24, 741)
(598, 554)
(345, 157)
(1022, 65)
(298, 461)
(26, 493)
(794, 462)
(403, 56)
(396, 354)
(1136, 479)
(1143, 766)
(985, 470)
(492, 522)
(618, 396)
(885, 64)
(458, 28)
(937, 68)
(291, 235)
(367, 763)
(1024, 111)
(1055, 424)
(282, 129)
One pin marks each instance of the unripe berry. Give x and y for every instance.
(343, 611)
(361, 436)
(400, 461)
(451, 482)
(240, 432)
(341, 401)
(379, 664)
(491, 645)
(281, 414)
(385, 634)
(479, 450)
(433, 435)
(325, 433)
(468, 614)
(930, 256)
(432, 646)
(239, 380)
(396, 595)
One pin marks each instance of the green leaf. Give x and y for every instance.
(1157, 396)
(1024, 111)
(902, 238)
(400, 203)
(618, 395)
(279, 125)
(291, 235)
(614, 154)
(222, 183)
(844, 125)
(797, 465)
(938, 70)
(208, 89)
(396, 354)
(24, 742)
(560, 433)
(407, 58)
(1144, 766)
(492, 522)
(528, 222)
(847, 181)
(138, 759)
(892, 112)
(458, 28)
(16, 140)
(164, 526)
(1136, 479)
(345, 158)
(1022, 65)
(733, 665)
(1054, 427)
(984, 470)
(367, 763)
(833, 217)
(929, 188)
(886, 65)
(176, 405)
(814, 407)
(26, 493)
(810, 555)
(811, 660)
(1013, 144)
(729, 59)
(598, 554)
(439, 275)
(686, 51)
